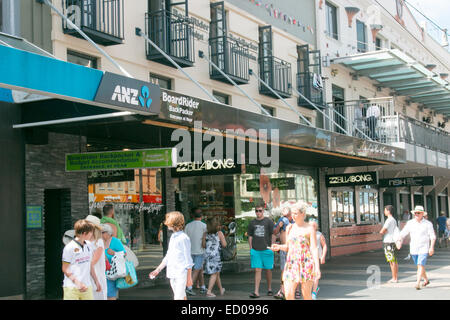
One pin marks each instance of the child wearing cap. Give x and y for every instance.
(77, 255)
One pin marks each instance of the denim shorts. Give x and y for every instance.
(112, 289)
(198, 261)
(420, 259)
(261, 259)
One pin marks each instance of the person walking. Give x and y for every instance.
(422, 242)
(260, 239)
(196, 230)
(213, 240)
(442, 229)
(76, 264)
(280, 229)
(178, 259)
(302, 261)
(112, 245)
(322, 252)
(98, 263)
(109, 218)
(389, 231)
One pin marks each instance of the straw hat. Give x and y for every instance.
(419, 209)
(95, 221)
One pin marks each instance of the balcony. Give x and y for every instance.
(101, 20)
(231, 58)
(307, 86)
(277, 74)
(174, 35)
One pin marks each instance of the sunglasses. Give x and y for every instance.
(418, 212)
(259, 210)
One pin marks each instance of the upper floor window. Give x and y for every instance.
(82, 59)
(361, 36)
(222, 97)
(378, 43)
(331, 20)
(270, 110)
(163, 82)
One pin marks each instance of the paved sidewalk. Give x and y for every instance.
(343, 277)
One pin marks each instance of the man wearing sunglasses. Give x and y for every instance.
(422, 242)
(260, 239)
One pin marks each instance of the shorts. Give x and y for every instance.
(112, 289)
(198, 260)
(178, 287)
(283, 255)
(261, 259)
(72, 293)
(420, 259)
(390, 252)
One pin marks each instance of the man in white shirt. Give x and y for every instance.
(196, 230)
(372, 114)
(422, 242)
(390, 250)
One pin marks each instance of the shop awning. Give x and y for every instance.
(405, 76)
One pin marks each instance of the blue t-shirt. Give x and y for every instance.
(115, 245)
(442, 223)
(284, 221)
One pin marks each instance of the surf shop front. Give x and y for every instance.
(223, 173)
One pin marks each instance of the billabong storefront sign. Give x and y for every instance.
(407, 182)
(129, 94)
(207, 167)
(352, 179)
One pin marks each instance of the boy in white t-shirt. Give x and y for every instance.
(390, 249)
(77, 255)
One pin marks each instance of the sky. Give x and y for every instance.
(437, 10)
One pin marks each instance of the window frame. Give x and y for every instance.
(331, 20)
(81, 55)
(361, 46)
(218, 95)
(154, 76)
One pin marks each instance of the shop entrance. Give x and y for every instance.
(57, 220)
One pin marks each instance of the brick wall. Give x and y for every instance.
(45, 169)
(354, 239)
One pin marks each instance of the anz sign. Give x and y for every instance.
(129, 94)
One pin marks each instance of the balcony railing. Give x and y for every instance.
(174, 35)
(277, 74)
(230, 57)
(101, 20)
(307, 87)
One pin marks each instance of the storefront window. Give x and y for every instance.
(369, 210)
(342, 207)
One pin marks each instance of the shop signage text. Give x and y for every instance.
(280, 183)
(129, 94)
(407, 182)
(110, 176)
(114, 160)
(352, 179)
(213, 167)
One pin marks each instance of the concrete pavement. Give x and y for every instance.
(360, 276)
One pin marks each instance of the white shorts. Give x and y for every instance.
(178, 287)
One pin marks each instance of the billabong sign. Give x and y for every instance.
(129, 94)
(207, 167)
(352, 179)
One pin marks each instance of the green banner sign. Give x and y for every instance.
(113, 160)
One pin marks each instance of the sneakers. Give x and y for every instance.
(203, 290)
(190, 292)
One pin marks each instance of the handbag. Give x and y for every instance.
(118, 268)
(130, 280)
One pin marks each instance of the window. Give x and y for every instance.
(303, 121)
(163, 82)
(368, 207)
(270, 110)
(81, 59)
(378, 44)
(361, 36)
(222, 97)
(331, 20)
(342, 207)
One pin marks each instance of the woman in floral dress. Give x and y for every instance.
(302, 261)
(212, 241)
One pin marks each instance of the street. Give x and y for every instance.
(353, 277)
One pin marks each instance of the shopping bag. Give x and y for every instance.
(118, 267)
(130, 280)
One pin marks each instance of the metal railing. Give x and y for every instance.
(102, 20)
(231, 57)
(305, 85)
(277, 74)
(173, 34)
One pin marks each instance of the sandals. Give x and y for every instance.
(270, 293)
(297, 295)
(417, 286)
(279, 296)
(426, 283)
(254, 295)
(210, 295)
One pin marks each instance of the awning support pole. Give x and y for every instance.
(141, 34)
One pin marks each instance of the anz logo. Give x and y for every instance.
(132, 96)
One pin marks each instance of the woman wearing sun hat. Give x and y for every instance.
(422, 242)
